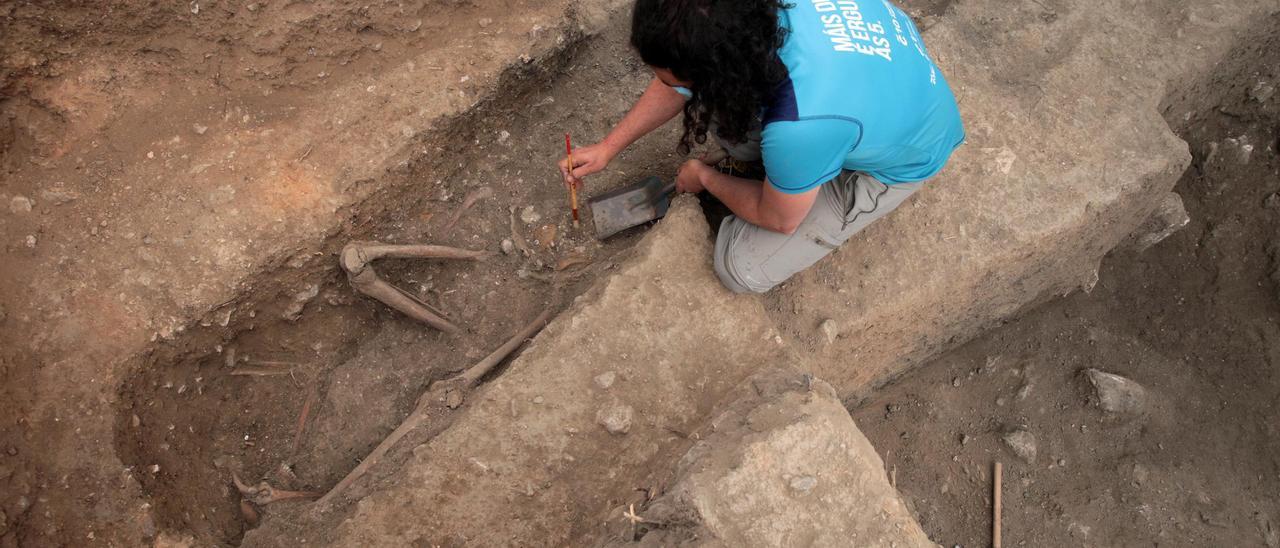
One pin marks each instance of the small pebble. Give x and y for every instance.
(57, 195)
(529, 216)
(20, 204)
(830, 330)
(538, 400)
(804, 484)
(1022, 443)
(508, 246)
(616, 418)
(605, 380)
(1272, 201)
(31, 241)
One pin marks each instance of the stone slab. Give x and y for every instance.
(784, 466)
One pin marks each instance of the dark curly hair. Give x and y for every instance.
(727, 50)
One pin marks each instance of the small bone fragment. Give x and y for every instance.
(312, 394)
(571, 262)
(482, 193)
(248, 371)
(516, 238)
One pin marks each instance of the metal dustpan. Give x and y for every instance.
(630, 206)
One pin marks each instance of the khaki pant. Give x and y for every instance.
(751, 259)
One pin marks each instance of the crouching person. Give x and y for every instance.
(839, 104)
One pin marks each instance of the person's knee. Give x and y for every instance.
(733, 283)
(729, 264)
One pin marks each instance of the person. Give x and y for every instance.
(838, 99)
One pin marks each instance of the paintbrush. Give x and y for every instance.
(573, 187)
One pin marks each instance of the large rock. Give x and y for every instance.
(784, 466)
(1116, 394)
(528, 462)
(1067, 154)
(1168, 218)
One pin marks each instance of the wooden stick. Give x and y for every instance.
(995, 511)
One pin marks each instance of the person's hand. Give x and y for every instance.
(586, 161)
(689, 177)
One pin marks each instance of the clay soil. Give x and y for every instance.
(183, 423)
(1193, 319)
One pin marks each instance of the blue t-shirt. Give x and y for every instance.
(862, 95)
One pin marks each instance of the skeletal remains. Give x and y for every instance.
(357, 259)
(439, 398)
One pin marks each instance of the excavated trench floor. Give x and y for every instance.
(1195, 320)
(312, 378)
(203, 407)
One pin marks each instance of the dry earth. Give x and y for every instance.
(1195, 320)
(102, 105)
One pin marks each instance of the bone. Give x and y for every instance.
(248, 371)
(442, 396)
(370, 284)
(357, 255)
(249, 513)
(357, 259)
(312, 394)
(482, 193)
(517, 238)
(263, 493)
(473, 374)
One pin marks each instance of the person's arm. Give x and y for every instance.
(659, 104)
(756, 202)
(798, 155)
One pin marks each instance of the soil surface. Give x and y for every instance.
(186, 419)
(354, 365)
(1193, 320)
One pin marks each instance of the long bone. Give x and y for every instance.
(357, 260)
(440, 397)
(263, 493)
